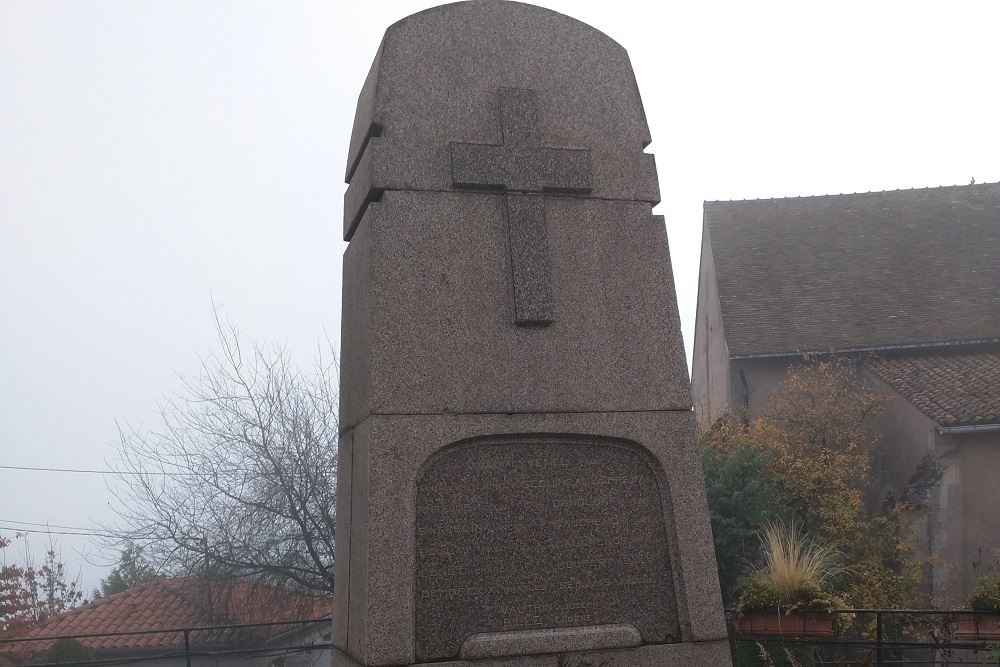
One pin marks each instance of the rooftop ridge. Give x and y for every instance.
(928, 346)
(851, 194)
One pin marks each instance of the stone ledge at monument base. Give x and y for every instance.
(663, 655)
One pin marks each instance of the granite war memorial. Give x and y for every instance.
(518, 477)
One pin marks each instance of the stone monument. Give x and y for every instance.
(518, 478)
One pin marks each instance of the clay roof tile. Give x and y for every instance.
(953, 388)
(171, 603)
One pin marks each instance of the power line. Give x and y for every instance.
(42, 525)
(22, 529)
(99, 472)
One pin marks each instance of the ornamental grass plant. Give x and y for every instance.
(795, 575)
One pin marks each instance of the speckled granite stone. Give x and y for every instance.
(436, 80)
(561, 640)
(428, 319)
(519, 483)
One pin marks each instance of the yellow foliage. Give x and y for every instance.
(793, 563)
(816, 431)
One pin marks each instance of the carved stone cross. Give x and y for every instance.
(524, 169)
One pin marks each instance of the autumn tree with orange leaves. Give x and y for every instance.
(15, 597)
(816, 444)
(31, 594)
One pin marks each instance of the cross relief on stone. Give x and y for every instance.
(524, 170)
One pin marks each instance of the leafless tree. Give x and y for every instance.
(240, 477)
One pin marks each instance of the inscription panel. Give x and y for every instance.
(529, 535)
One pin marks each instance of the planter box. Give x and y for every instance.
(796, 624)
(978, 626)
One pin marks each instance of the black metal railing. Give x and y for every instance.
(877, 638)
(290, 640)
(861, 638)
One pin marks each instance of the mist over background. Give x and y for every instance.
(157, 157)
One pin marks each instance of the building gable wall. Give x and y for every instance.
(710, 364)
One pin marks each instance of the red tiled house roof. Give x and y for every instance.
(172, 603)
(953, 389)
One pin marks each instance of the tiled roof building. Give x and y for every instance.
(119, 625)
(880, 270)
(955, 390)
(908, 283)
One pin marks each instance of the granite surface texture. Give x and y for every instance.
(521, 533)
(695, 654)
(421, 98)
(561, 640)
(531, 278)
(342, 548)
(519, 481)
(384, 515)
(429, 325)
(520, 163)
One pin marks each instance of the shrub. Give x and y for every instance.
(740, 499)
(795, 573)
(66, 650)
(985, 595)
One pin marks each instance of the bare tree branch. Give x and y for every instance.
(245, 457)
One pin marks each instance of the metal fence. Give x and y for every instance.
(303, 643)
(877, 638)
(862, 638)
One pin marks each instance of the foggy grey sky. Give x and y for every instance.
(156, 155)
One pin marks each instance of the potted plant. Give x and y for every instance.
(985, 598)
(789, 594)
